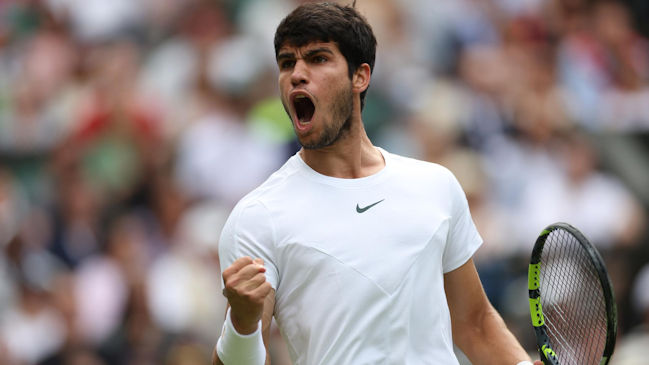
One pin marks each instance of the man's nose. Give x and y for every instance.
(300, 73)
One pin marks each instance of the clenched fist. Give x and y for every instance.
(246, 289)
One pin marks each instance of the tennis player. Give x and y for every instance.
(362, 256)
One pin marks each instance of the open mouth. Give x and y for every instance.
(304, 108)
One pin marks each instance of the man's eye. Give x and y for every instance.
(319, 59)
(286, 64)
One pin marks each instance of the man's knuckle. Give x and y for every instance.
(245, 260)
(260, 278)
(231, 285)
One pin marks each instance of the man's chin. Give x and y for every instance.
(310, 145)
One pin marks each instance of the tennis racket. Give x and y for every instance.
(571, 299)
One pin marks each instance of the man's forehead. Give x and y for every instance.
(292, 49)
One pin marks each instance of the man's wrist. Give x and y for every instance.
(241, 327)
(234, 348)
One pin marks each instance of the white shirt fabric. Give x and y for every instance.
(358, 288)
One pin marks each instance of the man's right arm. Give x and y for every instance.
(250, 299)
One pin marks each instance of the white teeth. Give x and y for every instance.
(300, 97)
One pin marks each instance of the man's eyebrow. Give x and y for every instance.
(285, 55)
(315, 51)
(310, 53)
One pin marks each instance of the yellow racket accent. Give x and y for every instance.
(548, 352)
(533, 276)
(536, 313)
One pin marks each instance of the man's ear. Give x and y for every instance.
(361, 78)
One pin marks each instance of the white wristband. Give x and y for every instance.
(525, 363)
(234, 348)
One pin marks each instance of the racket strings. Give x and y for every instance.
(572, 300)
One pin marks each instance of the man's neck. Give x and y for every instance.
(351, 157)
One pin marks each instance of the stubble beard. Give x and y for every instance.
(341, 117)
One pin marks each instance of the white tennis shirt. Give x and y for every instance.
(358, 264)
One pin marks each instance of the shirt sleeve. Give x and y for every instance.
(463, 237)
(249, 232)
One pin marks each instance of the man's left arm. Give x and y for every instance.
(478, 329)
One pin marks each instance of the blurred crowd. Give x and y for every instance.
(128, 129)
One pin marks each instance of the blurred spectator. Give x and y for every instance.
(32, 330)
(103, 282)
(34, 122)
(604, 64)
(32, 327)
(13, 206)
(174, 70)
(219, 160)
(594, 201)
(94, 21)
(76, 219)
(633, 348)
(183, 287)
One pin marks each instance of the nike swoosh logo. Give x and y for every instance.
(361, 210)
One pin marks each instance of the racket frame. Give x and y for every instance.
(544, 345)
